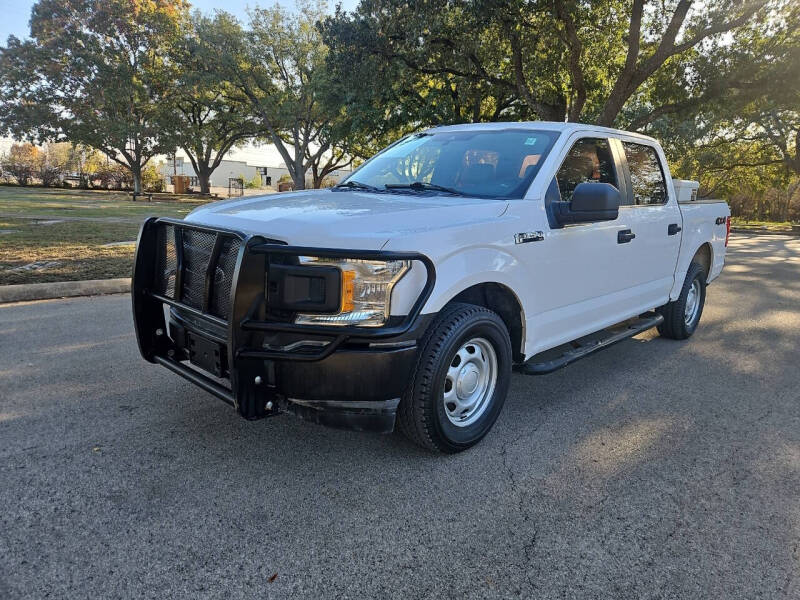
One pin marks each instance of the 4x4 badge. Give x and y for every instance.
(528, 236)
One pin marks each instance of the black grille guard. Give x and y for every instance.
(247, 300)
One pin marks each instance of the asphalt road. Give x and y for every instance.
(656, 469)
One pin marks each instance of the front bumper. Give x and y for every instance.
(341, 376)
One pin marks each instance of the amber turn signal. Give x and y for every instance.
(348, 287)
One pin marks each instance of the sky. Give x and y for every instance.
(15, 13)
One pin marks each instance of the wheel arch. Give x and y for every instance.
(704, 255)
(502, 300)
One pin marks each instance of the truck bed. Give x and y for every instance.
(703, 221)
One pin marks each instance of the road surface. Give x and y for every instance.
(656, 469)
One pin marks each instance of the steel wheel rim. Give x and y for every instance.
(470, 382)
(692, 303)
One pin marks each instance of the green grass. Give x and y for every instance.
(86, 203)
(66, 251)
(742, 222)
(73, 249)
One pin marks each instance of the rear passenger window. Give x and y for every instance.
(647, 178)
(589, 159)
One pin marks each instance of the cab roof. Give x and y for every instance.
(540, 125)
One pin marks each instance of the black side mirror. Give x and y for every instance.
(591, 202)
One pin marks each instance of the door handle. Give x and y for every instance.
(625, 236)
(673, 228)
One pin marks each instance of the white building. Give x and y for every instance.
(247, 163)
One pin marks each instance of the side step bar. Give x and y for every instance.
(629, 329)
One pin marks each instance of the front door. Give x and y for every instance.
(588, 275)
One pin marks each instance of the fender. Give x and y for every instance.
(455, 273)
(464, 269)
(696, 234)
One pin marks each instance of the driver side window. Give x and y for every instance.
(589, 159)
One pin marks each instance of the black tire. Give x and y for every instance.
(422, 414)
(675, 325)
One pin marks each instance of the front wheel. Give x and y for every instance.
(682, 316)
(461, 381)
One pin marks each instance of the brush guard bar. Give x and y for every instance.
(247, 322)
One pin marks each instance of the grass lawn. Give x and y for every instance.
(24, 201)
(42, 249)
(741, 222)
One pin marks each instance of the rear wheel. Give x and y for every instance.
(682, 316)
(461, 380)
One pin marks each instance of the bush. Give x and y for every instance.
(329, 182)
(794, 205)
(152, 181)
(54, 162)
(254, 183)
(112, 176)
(770, 204)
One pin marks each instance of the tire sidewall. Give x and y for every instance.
(697, 274)
(458, 438)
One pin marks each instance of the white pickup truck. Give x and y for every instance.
(409, 292)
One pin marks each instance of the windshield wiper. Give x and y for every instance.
(422, 186)
(357, 185)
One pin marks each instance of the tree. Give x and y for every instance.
(94, 72)
(54, 162)
(744, 133)
(278, 68)
(403, 66)
(580, 61)
(208, 119)
(85, 161)
(22, 162)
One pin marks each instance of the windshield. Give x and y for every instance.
(481, 163)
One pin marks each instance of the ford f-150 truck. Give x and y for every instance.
(408, 293)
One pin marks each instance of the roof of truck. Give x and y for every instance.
(548, 125)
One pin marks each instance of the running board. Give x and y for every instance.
(581, 350)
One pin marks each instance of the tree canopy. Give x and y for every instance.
(529, 59)
(694, 74)
(717, 81)
(277, 65)
(207, 116)
(93, 72)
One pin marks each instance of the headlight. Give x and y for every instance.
(366, 291)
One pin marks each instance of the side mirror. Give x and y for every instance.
(591, 202)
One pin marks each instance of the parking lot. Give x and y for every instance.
(656, 469)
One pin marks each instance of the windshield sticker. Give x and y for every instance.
(531, 141)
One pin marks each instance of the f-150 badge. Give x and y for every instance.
(528, 236)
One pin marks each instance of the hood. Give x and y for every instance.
(344, 219)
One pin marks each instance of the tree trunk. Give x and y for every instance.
(612, 107)
(316, 176)
(204, 177)
(299, 175)
(136, 170)
(553, 112)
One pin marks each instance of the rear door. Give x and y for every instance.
(653, 216)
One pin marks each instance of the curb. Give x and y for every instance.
(63, 289)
